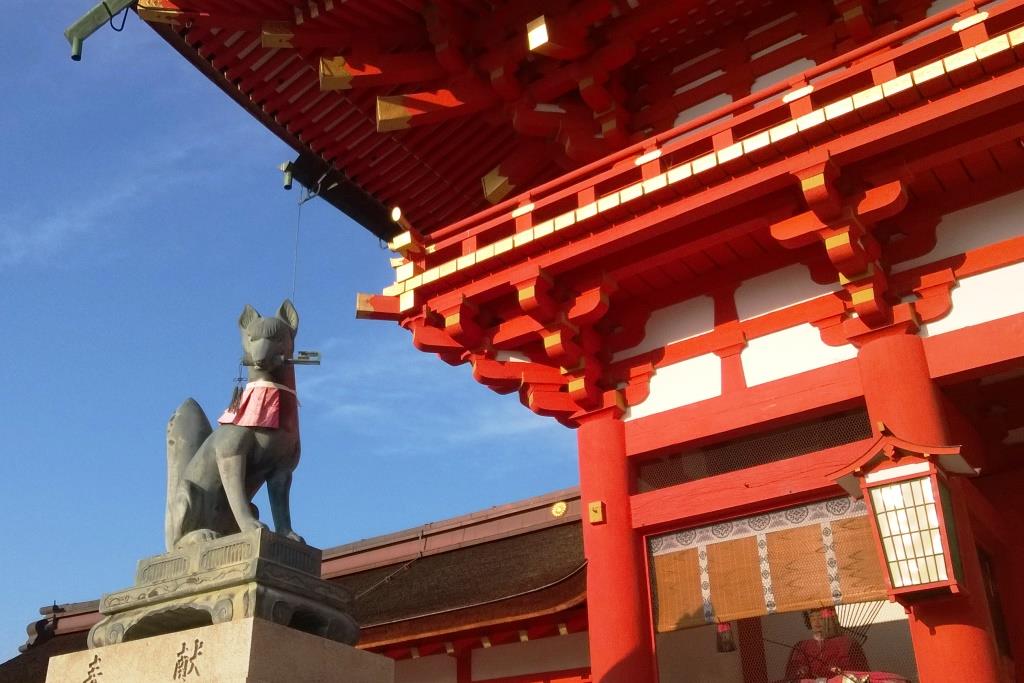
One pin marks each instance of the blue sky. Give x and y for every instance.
(140, 209)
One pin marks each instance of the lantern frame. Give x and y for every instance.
(895, 469)
(903, 564)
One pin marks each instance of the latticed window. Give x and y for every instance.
(908, 523)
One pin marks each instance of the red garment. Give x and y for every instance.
(260, 406)
(824, 658)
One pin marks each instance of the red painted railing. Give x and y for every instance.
(833, 80)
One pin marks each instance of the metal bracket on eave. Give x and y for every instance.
(91, 21)
(331, 185)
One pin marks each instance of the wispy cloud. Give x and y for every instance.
(366, 386)
(112, 135)
(92, 205)
(38, 234)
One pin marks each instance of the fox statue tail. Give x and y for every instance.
(186, 431)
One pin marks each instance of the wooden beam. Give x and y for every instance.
(398, 112)
(515, 171)
(346, 73)
(377, 307)
(565, 36)
(171, 13)
(286, 34)
(795, 479)
(560, 40)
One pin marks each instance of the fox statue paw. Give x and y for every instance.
(254, 525)
(197, 536)
(295, 537)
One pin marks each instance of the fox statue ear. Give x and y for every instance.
(288, 314)
(248, 315)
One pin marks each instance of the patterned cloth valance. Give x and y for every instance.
(798, 558)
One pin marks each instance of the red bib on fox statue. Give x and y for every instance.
(261, 406)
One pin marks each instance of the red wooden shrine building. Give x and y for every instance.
(767, 257)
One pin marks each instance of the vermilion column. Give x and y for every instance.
(464, 666)
(952, 639)
(1003, 492)
(621, 650)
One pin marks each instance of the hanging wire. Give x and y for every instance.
(110, 20)
(304, 197)
(295, 256)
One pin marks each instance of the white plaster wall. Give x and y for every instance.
(557, 653)
(433, 669)
(689, 655)
(701, 108)
(706, 78)
(680, 384)
(789, 40)
(789, 352)
(977, 226)
(781, 74)
(511, 356)
(694, 60)
(771, 24)
(940, 5)
(1014, 436)
(777, 290)
(981, 298)
(674, 323)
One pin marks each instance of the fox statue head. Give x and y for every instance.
(268, 342)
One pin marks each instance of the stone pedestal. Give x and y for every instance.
(252, 574)
(241, 651)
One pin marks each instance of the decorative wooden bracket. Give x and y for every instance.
(504, 377)
(592, 304)
(549, 401)
(569, 341)
(843, 223)
(560, 343)
(558, 357)
(536, 298)
(428, 336)
(858, 16)
(460, 322)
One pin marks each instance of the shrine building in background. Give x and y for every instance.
(766, 257)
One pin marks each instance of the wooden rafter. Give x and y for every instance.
(628, 82)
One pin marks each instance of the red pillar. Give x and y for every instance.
(464, 665)
(951, 636)
(619, 621)
(1003, 492)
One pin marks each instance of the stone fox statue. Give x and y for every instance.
(213, 475)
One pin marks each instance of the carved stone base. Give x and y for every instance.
(252, 574)
(241, 651)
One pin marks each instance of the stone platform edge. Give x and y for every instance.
(242, 651)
